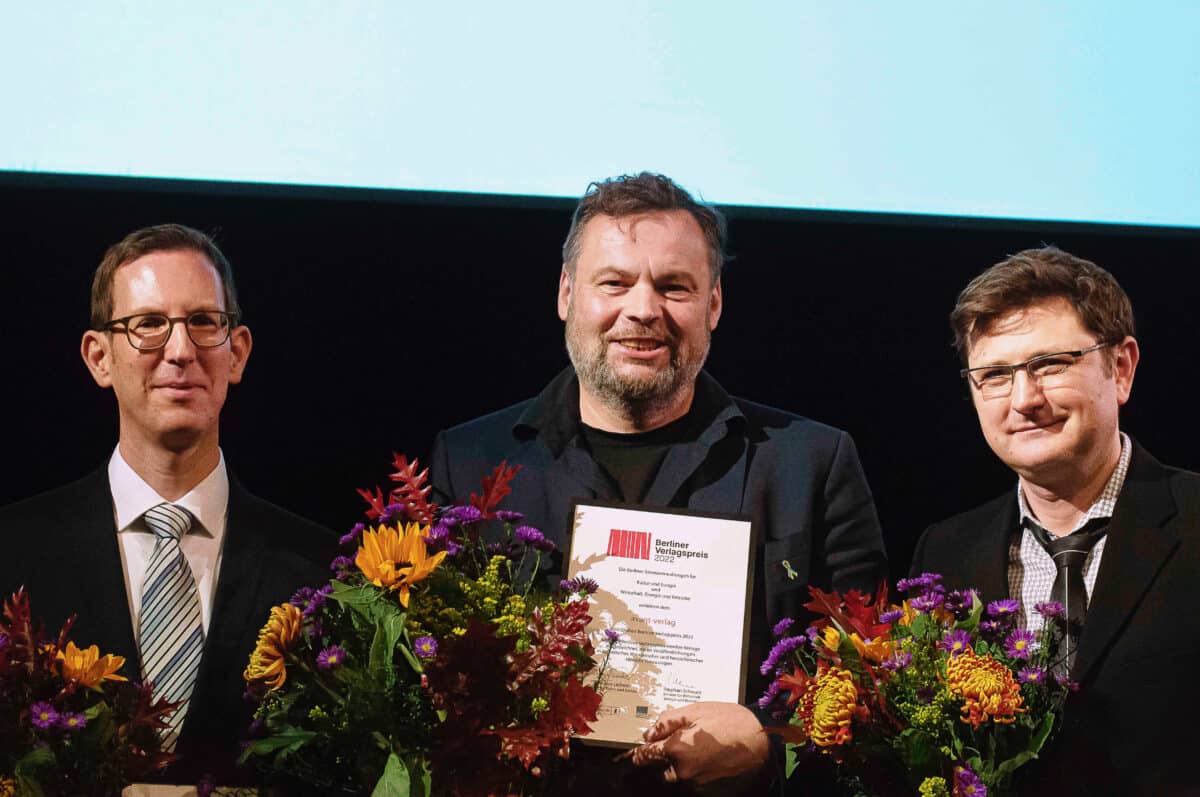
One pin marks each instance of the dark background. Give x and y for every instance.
(381, 317)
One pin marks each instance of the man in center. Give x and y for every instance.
(636, 419)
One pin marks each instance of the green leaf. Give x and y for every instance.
(793, 759)
(35, 759)
(395, 781)
(1007, 767)
(388, 631)
(351, 595)
(283, 744)
(27, 786)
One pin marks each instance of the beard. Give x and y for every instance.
(637, 394)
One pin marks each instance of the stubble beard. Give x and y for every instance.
(632, 397)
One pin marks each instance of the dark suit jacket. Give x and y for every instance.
(1127, 731)
(799, 480)
(62, 545)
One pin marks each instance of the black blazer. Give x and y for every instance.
(1127, 731)
(62, 545)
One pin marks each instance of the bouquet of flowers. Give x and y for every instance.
(69, 723)
(431, 663)
(942, 695)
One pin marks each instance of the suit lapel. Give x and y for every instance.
(985, 557)
(94, 564)
(1138, 546)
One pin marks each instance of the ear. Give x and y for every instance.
(240, 343)
(1124, 366)
(564, 293)
(96, 349)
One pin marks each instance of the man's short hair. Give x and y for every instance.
(159, 238)
(1032, 275)
(633, 194)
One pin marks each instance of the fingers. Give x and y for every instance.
(650, 753)
(667, 724)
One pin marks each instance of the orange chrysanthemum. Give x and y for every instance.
(827, 706)
(87, 667)
(989, 689)
(396, 560)
(267, 660)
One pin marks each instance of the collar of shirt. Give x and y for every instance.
(132, 496)
(1103, 506)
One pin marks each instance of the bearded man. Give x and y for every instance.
(636, 419)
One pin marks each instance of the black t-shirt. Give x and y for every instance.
(633, 460)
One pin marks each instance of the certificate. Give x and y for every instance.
(676, 586)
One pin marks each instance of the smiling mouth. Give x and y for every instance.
(640, 344)
(1040, 427)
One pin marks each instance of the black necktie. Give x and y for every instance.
(1069, 553)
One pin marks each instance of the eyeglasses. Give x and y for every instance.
(149, 331)
(1047, 370)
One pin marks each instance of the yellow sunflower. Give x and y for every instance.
(88, 667)
(267, 660)
(393, 559)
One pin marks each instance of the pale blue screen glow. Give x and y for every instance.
(1086, 111)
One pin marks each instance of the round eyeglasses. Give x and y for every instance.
(1046, 370)
(207, 329)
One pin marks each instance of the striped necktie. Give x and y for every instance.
(172, 637)
(1069, 554)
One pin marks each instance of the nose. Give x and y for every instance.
(179, 346)
(1027, 394)
(642, 303)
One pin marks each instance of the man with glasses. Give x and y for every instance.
(168, 561)
(1095, 524)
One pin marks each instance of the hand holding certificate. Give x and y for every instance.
(676, 586)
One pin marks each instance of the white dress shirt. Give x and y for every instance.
(207, 501)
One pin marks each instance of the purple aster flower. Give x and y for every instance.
(509, 516)
(1064, 680)
(341, 563)
(1031, 675)
(923, 582)
(580, 584)
(927, 602)
(302, 596)
(438, 533)
(316, 628)
(991, 628)
(611, 635)
(453, 549)
(494, 549)
(72, 722)
(891, 616)
(351, 537)
(464, 514)
(532, 537)
(426, 647)
(812, 634)
(967, 782)
(43, 715)
(782, 648)
(1020, 644)
(205, 787)
(956, 642)
(899, 661)
(256, 728)
(393, 513)
(960, 602)
(768, 697)
(317, 600)
(782, 626)
(331, 657)
(1005, 608)
(1049, 609)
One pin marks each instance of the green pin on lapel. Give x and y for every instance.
(791, 572)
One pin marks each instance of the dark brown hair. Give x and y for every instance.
(159, 238)
(1032, 275)
(632, 194)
